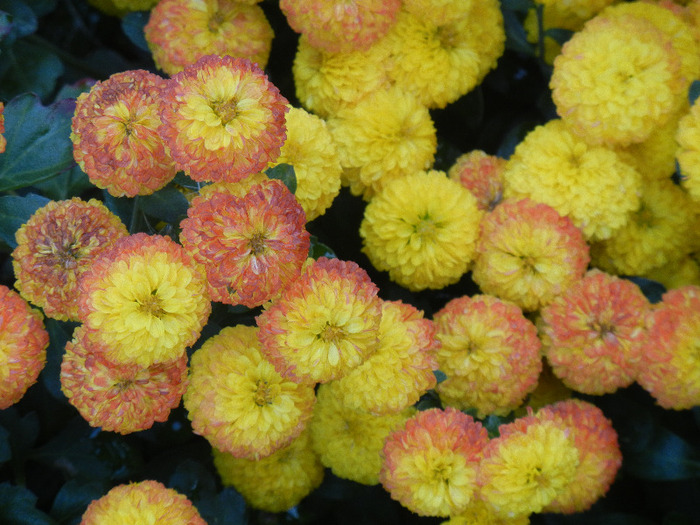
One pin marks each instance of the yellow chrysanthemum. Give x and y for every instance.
(676, 273)
(145, 298)
(657, 233)
(237, 400)
(350, 442)
(179, 32)
(589, 184)
(616, 80)
(482, 175)
(275, 483)
(145, 502)
(480, 513)
(438, 11)
(324, 324)
(422, 229)
(688, 154)
(310, 149)
(23, 343)
(385, 136)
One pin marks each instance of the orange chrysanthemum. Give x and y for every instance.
(223, 119)
(490, 353)
(56, 246)
(115, 135)
(179, 32)
(23, 342)
(325, 323)
(120, 398)
(528, 254)
(593, 333)
(3, 140)
(431, 464)
(338, 27)
(145, 502)
(482, 175)
(252, 244)
(145, 298)
(237, 400)
(670, 365)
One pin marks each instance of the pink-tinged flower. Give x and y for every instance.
(145, 502)
(670, 365)
(121, 398)
(146, 300)
(325, 323)
(3, 140)
(115, 135)
(599, 454)
(179, 32)
(401, 370)
(431, 464)
(594, 332)
(23, 342)
(490, 353)
(237, 400)
(528, 254)
(223, 119)
(338, 27)
(252, 245)
(482, 175)
(56, 246)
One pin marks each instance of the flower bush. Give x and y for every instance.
(393, 262)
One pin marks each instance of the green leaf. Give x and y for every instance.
(318, 249)
(32, 68)
(285, 173)
(41, 7)
(18, 507)
(191, 478)
(68, 184)
(439, 375)
(60, 333)
(167, 204)
(652, 290)
(516, 36)
(560, 36)
(38, 141)
(75, 90)
(15, 211)
(522, 6)
(429, 400)
(22, 19)
(666, 457)
(24, 431)
(132, 25)
(694, 92)
(74, 497)
(225, 508)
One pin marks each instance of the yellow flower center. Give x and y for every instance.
(151, 305)
(448, 36)
(331, 334)
(216, 21)
(226, 110)
(263, 393)
(257, 244)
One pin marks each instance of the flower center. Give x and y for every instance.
(151, 305)
(426, 228)
(263, 393)
(225, 110)
(331, 333)
(215, 22)
(67, 256)
(447, 35)
(257, 244)
(605, 330)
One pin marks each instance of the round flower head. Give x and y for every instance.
(223, 119)
(56, 246)
(616, 80)
(237, 400)
(401, 370)
(482, 175)
(145, 502)
(324, 324)
(348, 441)
(589, 184)
(480, 513)
(527, 467)
(309, 148)
(688, 153)
(593, 333)
(528, 254)
(179, 32)
(422, 229)
(383, 137)
(341, 27)
(438, 11)
(115, 135)
(599, 454)
(670, 365)
(275, 483)
(658, 232)
(431, 464)
(251, 245)
(3, 140)
(676, 273)
(490, 353)
(120, 398)
(146, 300)
(23, 343)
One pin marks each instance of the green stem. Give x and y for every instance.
(135, 215)
(539, 10)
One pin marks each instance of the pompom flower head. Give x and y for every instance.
(593, 333)
(422, 229)
(144, 502)
(528, 253)
(146, 300)
(115, 135)
(56, 246)
(252, 241)
(23, 343)
(237, 400)
(122, 398)
(223, 119)
(688, 154)
(324, 324)
(431, 463)
(490, 353)
(482, 175)
(179, 32)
